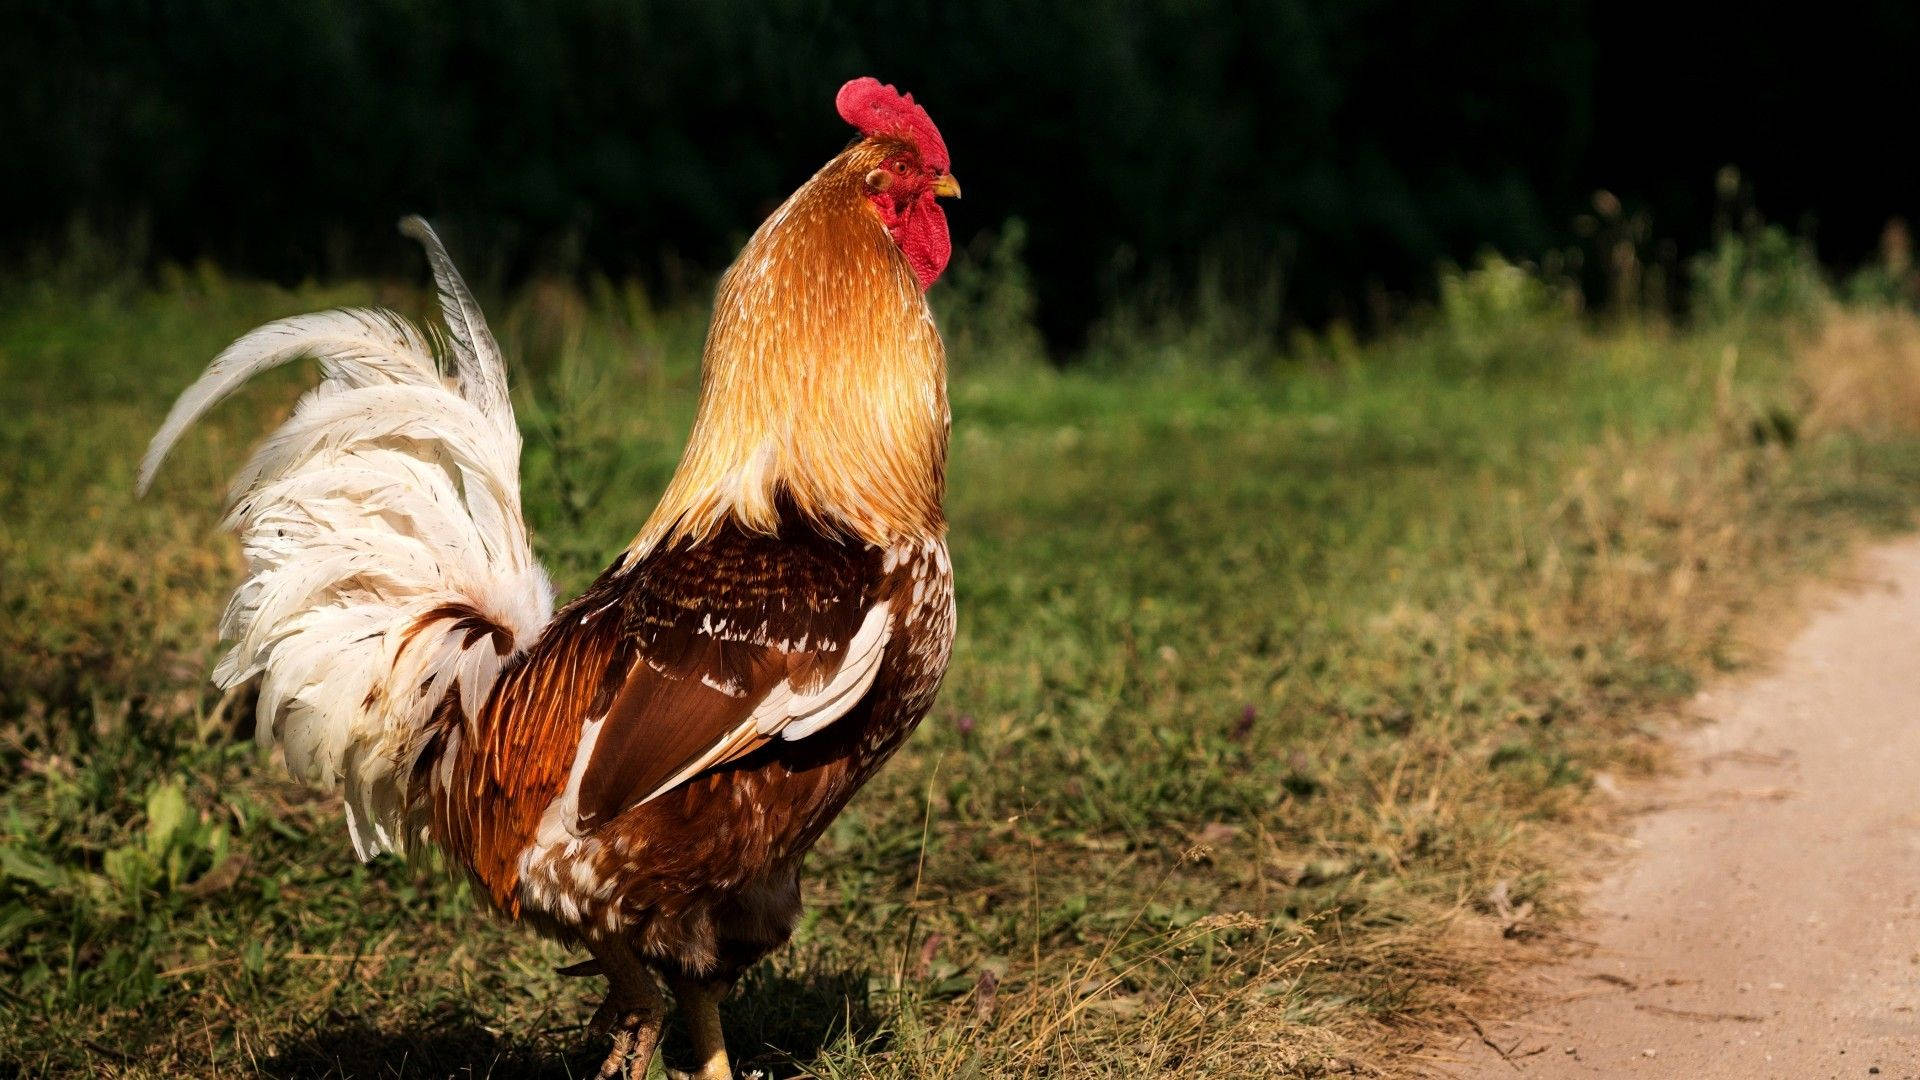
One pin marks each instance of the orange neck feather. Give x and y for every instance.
(823, 385)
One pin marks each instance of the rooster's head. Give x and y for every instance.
(901, 164)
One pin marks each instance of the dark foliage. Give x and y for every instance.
(1342, 146)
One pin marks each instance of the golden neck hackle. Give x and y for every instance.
(823, 384)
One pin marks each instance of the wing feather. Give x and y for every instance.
(788, 713)
(673, 722)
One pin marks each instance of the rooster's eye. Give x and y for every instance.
(900, 167)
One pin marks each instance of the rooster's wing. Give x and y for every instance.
(738, 640)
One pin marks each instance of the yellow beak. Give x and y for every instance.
(945, 185)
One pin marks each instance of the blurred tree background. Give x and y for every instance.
(1332, 152)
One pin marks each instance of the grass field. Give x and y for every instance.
(1282, 688)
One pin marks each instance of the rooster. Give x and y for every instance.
(643, 772)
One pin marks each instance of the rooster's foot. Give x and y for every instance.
(633, 1012)
(635, 1036)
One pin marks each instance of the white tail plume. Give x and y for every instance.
(387, 559)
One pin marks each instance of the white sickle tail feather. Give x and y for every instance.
(387, 558)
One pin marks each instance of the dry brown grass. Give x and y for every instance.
(1861, 370)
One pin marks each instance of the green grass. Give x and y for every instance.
(1265, 680)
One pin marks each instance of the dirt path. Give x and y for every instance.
(1768, 924)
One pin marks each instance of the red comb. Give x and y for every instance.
(878, 109)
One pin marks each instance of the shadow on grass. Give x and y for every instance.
(455, 1042)
(772, 1020)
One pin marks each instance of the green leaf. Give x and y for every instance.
(18, 864)
(167, 814)
(129, 868)
(15, 920)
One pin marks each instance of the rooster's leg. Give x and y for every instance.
(633, 1012)
(699, 1001)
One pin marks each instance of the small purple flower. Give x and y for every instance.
(985, 989)
(963, 724)
(929, 949)
(1243, 727)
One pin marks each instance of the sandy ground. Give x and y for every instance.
(1767, 923)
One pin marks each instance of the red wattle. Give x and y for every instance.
(921, 233)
